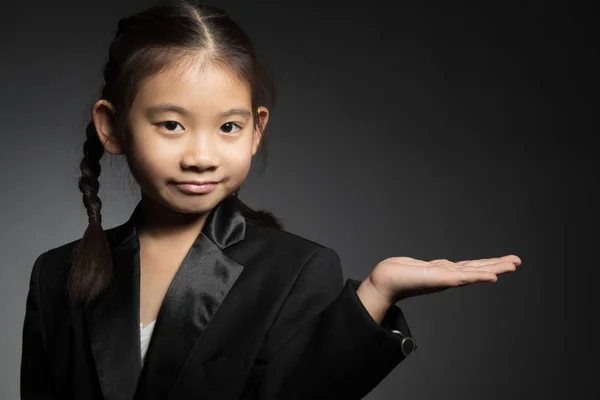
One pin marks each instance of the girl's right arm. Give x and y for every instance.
(35, 374)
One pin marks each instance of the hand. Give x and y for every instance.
(397, 278)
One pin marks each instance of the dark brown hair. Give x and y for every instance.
(146, 43)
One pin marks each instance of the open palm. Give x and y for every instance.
(397, 278)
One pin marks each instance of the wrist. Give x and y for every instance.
(374, 301)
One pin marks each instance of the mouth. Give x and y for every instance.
(196, 187)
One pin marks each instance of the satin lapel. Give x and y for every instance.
(113, 317)
(200, 285)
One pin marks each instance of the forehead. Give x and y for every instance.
(203, 88)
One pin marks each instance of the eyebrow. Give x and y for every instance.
(166, 107)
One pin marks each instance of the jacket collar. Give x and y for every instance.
(224, 226)
(197, 290)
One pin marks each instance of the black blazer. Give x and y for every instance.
(252, 313)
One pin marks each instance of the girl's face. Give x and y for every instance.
(192, 124)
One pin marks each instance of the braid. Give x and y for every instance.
(91, 263)
(90, 171)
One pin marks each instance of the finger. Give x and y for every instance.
(478, 263)
(441, 261)
(468, 277)
(409, 261)
(496, 268)
(513, 258)
(485, 261)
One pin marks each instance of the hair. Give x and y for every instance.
(145, 44)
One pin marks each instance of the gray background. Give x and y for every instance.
(424, 129)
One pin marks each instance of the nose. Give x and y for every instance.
(200, 152)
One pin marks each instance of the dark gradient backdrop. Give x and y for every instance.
(426, 129)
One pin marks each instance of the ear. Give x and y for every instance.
(103, 113)
(263, 118)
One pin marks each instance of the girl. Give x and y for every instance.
(197, 295)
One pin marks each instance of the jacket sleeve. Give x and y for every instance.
(35, 375)
(324, 343)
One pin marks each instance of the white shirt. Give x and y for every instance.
(145, 335)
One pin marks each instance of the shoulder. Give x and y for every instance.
(282, 239)
(50, 268)
(59, 257)
(278, 234)
(54, 261)
(288, 253)
(48, 276)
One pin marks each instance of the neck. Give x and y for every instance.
(158, 222)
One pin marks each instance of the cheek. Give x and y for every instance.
(238, 155)
(148, 161)
(239, 164)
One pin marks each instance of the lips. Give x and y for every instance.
(197, 183)
(198, 187)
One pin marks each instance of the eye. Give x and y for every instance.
(169, 124)
(229, 126)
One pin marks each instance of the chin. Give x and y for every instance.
(197, 204)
